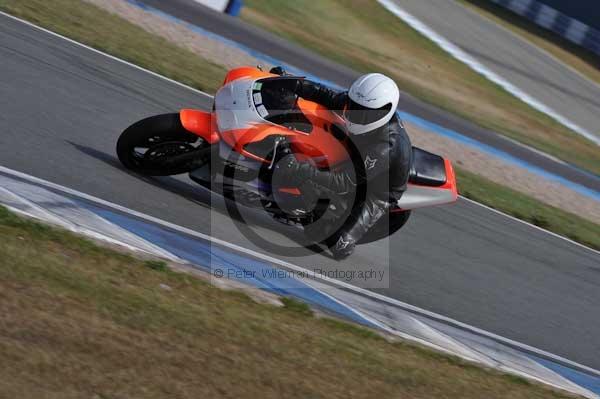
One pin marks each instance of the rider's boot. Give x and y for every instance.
(359, 222)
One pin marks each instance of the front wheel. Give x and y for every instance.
(146, 146)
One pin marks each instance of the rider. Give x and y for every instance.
(382, 156)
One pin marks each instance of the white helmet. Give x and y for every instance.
(373, 99)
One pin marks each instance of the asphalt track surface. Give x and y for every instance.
(267, 43)
(63, 107)
(516, 60)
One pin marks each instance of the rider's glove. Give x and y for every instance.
(278, 70)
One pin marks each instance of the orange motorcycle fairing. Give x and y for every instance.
(449, 185)
(247, 72)
(450, 179)
(419, 195)
(320, 144)
(200, 123)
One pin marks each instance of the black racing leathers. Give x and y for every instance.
(381, 158)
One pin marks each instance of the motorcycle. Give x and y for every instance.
(233, 149)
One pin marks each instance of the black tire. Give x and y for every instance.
(386, 226)
(165, 130)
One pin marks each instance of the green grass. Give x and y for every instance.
(78, 320)
(296, 306)
(110, 33)
(157, 265)
(379, 41)
(526, 208)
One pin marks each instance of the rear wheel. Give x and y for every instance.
(146, 146)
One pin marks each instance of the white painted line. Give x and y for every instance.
(550, 13)
(26, 197)
(85, 232)
(530, 225)
(89, 224)
(217, 5)
(290, 266)
(210, 96)
(38, 212)
(462, 56)
(112, 57)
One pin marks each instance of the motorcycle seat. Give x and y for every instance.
(427, 169)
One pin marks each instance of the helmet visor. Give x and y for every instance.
(361, 115)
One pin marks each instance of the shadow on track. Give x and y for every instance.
(201, 197)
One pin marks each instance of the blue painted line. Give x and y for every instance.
(246, 269)
(243, 268)
(587, 381)
(231, 43)
(594, 194)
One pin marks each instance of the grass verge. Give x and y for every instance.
(582, 60)
(97, 28)
(379, 41)
(79, 320)
(529, 209)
